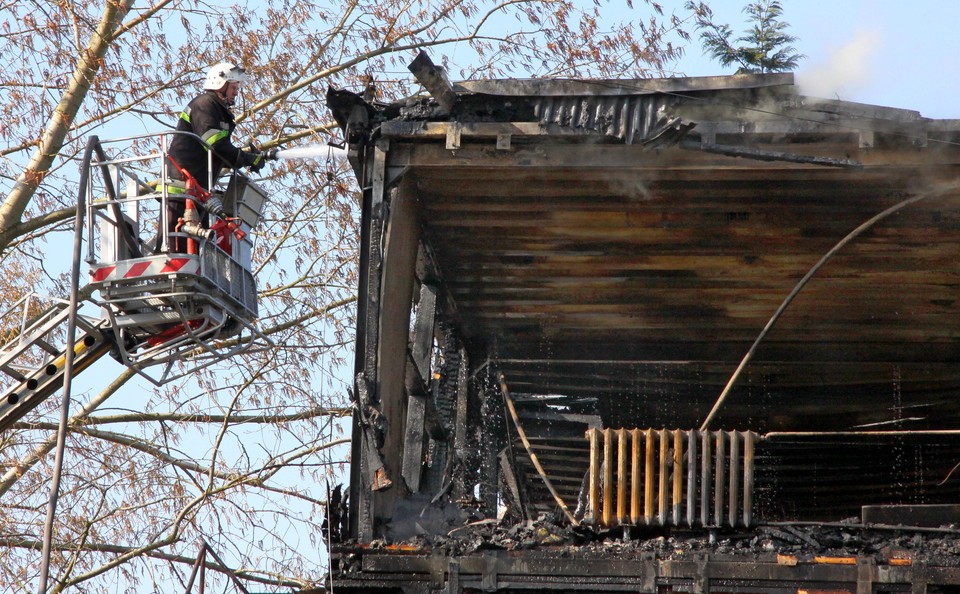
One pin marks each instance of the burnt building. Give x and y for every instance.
(692, 334)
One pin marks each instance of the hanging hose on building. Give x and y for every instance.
(806, 278)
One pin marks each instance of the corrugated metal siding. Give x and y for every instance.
(629, 118)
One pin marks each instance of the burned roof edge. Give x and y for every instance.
(565, 87)
(633, 110)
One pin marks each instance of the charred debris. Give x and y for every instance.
(559, 277)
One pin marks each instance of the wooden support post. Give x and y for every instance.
(402, 238)
(368, 327)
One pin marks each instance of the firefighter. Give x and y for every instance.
(209, 117)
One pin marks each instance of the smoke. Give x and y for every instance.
(847, 71)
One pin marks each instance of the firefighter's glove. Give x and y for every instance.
(253, 160)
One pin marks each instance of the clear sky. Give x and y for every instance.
(895, 53)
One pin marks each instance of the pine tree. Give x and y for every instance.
(764, 47)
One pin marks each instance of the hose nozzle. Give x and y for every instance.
(196, 230)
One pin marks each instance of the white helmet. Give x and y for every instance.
(223, 73)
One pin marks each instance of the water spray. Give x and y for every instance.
(312, 151)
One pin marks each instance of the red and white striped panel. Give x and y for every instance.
(128, 269)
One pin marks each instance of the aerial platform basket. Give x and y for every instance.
(183, 310)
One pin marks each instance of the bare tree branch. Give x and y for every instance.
(13, 206)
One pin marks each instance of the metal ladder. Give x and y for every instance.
(32, 356)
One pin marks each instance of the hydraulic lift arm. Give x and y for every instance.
(33, 361)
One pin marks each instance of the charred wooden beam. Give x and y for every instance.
(434, 79)
(492, 131)
(515, 486)
(461, 438)
(911, 515)
(546, 87)
(429, 417)
(400, 240)
(367, 461)
(702, 572)
(423, 329)
(420, 409)
(376, 476)
(747, 152)
(494, 439)
(524, 158)
(413, 441)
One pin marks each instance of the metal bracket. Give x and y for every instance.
(453, 577)
(378, 177)
(648, 584)
(454, 132)
(436, 572)
(701, 583)
(488, 582)
(865, 571)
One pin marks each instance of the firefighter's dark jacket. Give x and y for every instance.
(210, 118)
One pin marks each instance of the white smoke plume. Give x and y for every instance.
(848, 70)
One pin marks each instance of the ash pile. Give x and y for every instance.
(785, 542)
